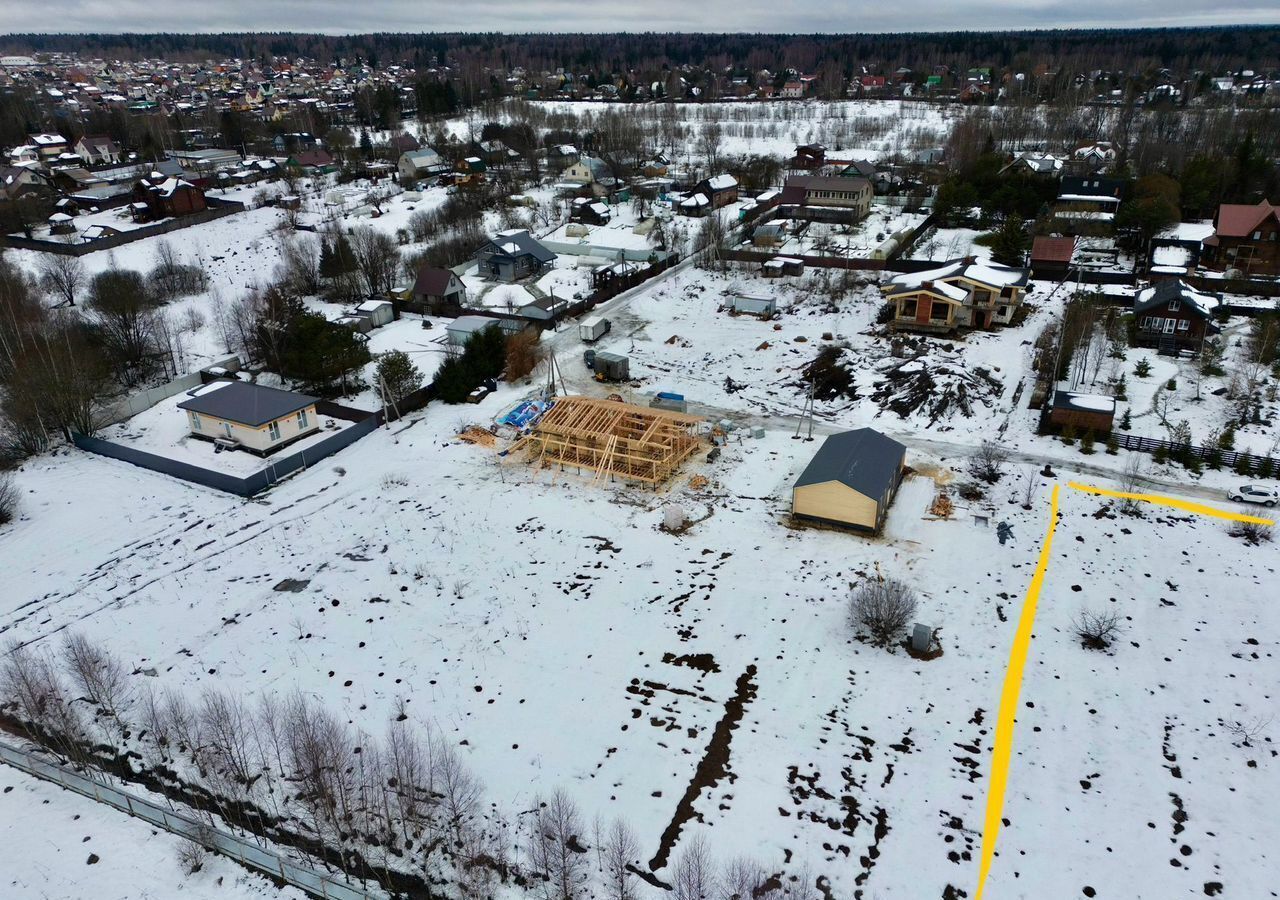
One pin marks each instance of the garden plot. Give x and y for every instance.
(679, 339)
(854, 241)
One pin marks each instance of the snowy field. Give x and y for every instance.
(61, 846)
(513, 610)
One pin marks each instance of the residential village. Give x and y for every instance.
(546, 430)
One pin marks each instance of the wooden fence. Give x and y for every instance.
(1230, 458)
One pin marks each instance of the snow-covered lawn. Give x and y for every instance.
(61, 846)
(560, 639)
(165, 431)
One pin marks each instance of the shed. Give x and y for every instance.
(1083, 412)
(612, 366)
(378, 312)
(851, 480)
(764, 307)
(461, 328)
(1051, 256)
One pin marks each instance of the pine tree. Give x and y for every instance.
(1086, 443)
(1125, 422)
(1243, 465)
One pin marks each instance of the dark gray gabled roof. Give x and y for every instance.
(248, 404)
(864, 460)
(1203, 303)
(517, 242)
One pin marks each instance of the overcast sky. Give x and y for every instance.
(352, 16)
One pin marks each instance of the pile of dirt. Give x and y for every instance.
(935, 386)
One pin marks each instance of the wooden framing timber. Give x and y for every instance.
(612, 439)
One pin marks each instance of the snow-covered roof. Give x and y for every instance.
(722, 182)
(1084, 402)
(1087, 198)
(990, 274)
(1188, 231)
(1171, 256)
(1175, 289)
(695, 200)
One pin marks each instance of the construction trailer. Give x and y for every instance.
(612, 439)
(611, 366)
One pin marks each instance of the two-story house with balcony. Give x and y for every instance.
(963, 294)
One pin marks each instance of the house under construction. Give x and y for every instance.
(612, 439)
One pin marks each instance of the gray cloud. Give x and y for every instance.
(345, 16)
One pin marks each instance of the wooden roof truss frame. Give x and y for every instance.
(612, 439)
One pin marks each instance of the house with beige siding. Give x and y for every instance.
(249, 416)
(851, 481)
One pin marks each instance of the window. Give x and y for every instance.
(908, 309)
(1168, 325)
(302, 419)
(273, 430)
(1003, 311)
(1257, 235)
(195, 419)
(1175, 305)
(1184, 324)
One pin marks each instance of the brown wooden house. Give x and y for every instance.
(1171, 316)
(1246, 237)
(963, 294)
(165, 198)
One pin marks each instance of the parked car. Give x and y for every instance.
(1255, 493)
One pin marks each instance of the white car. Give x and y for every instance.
(1255, 493)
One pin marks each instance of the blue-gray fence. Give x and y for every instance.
(275, 468)
(317, 884)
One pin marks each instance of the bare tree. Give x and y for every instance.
(619, 849)
(556, 851)
(1130, 481)
(693, 876)
(742, 879)
(882, 607)
(98, 675)
(62, 275)
(1096, 629)
(8, 498)
(1031, 483)
(988, 462)
(377, 259)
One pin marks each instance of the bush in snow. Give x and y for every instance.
(191, 857)
(1096, 629)
(8, 498)
(882, 608)
(1252, 533)
(988, 462)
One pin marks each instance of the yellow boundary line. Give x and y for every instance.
(1002, 750)
(1159, 500)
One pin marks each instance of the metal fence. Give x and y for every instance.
(317, 884)
(274, 469)
(130, 406)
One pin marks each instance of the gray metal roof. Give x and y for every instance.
(864, 460)
(248, 404)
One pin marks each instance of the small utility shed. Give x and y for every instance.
(765, 307)
(461, 328)
(1083, 412)
(378, 312)
(851, 480)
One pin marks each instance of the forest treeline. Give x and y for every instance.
(1080, 50)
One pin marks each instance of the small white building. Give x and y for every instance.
(378, 312)
(462, 328)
